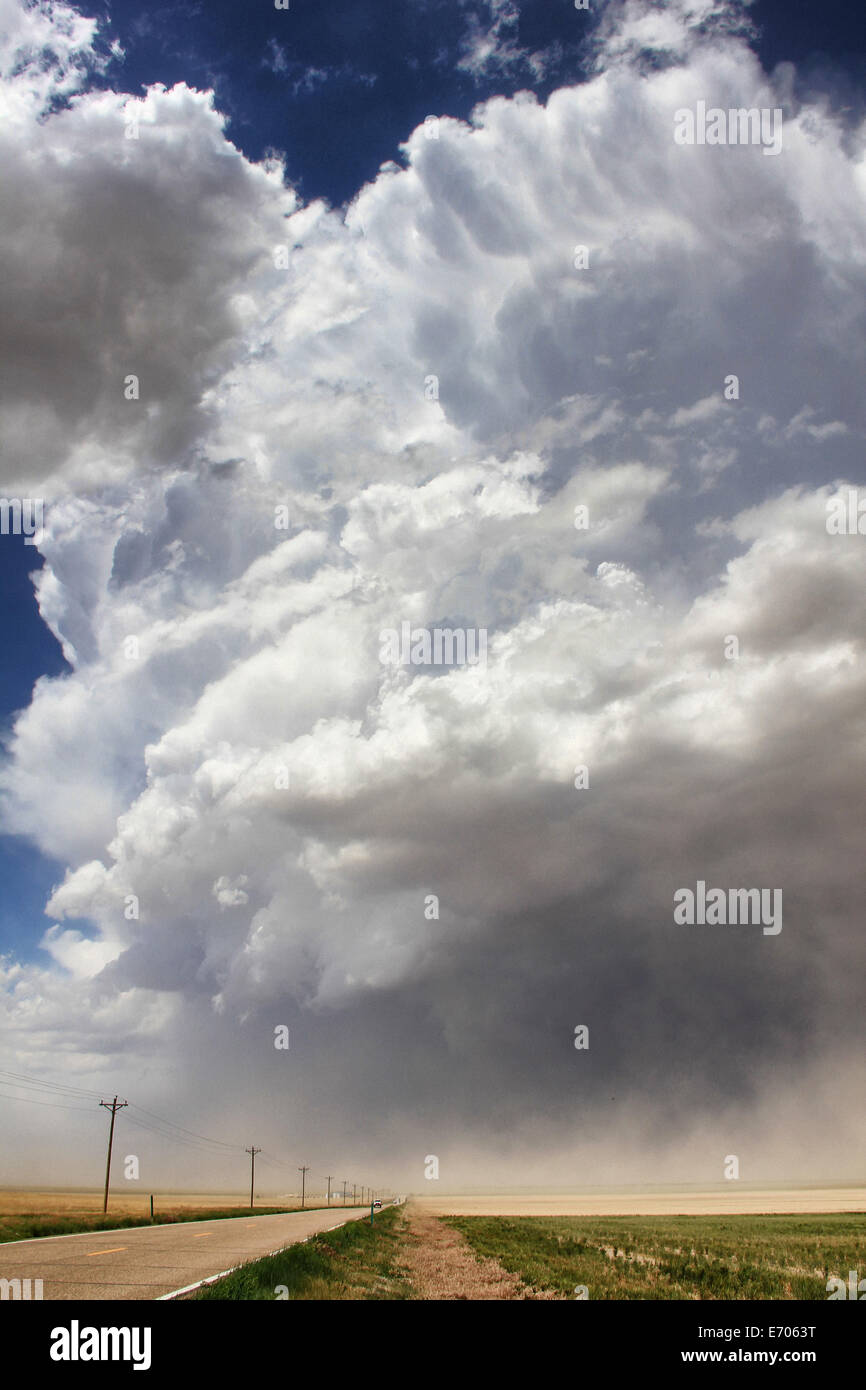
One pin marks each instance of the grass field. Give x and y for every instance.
(636, 1257)
(685, 1257)
(356, 1261)
(26, 1215)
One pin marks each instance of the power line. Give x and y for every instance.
(220, 1142)
(191, 1144)
(156, 1125)
(24, 1081)
(51, 1104)
(33, 1083)
(271, 1158)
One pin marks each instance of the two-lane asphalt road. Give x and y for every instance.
(151, 1261)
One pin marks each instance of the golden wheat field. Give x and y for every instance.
(15, 1201)
(729, 1200)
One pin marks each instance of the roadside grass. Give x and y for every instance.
(356, 1261)
(680, 1257)
(32, 1225)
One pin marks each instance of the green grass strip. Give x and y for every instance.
(356, 1261)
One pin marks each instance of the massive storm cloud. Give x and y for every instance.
(553, 376)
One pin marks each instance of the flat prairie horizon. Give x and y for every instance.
(670, 1200)
(644, 1200)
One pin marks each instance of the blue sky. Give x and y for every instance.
(30, 650)
(154, 772)
(338, 86)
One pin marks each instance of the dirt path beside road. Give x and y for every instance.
(440, 1264)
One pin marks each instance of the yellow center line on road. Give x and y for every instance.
(201, 1235)
(113, 1251)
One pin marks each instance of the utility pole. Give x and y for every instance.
(252, 1152)
(329, 1189)
(303, 1172)
(344, 1193)
(113, 1106)
(354, 1199)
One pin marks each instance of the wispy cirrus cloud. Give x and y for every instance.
(304, 79)
(490, 43)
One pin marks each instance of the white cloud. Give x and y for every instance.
(490, 43)
(255, 751)
(230, 894)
